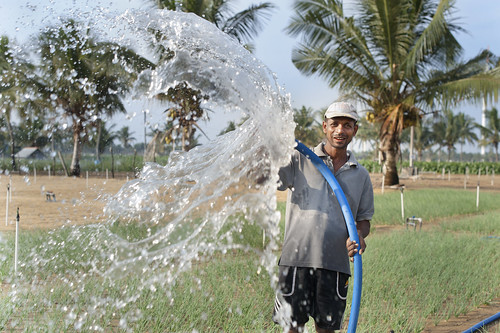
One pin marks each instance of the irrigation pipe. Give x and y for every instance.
(482, 323)
(351, 228)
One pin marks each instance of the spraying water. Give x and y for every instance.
(197, 206)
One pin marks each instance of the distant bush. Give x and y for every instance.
(119, 163)
(453, 167)
(457, 167)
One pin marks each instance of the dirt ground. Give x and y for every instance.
(47, 202)
(80, 201)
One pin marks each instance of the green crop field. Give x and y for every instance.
(411, 278)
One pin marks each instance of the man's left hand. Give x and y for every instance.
(353, 247)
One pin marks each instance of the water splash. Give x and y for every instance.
(172, 216)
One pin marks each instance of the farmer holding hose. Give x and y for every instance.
(314, 264)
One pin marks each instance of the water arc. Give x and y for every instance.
(351, 228)
(161, 224)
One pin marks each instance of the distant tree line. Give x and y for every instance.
(399, 59)
(68, 84)
(442, 134)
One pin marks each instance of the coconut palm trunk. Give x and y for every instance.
(389, 146)
(98, 139)
(77, 150)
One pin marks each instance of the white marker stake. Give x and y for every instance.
(106, 174)
(10, 189)
(17, 241)
(87, 178)
(7, 207)
(449, 175)
(402, 204)
(34, 173)
(477, 197)
(49, 171)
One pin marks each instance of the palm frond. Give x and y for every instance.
(245, 25)
(436, 38)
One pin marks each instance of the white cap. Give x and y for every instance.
(341, 109)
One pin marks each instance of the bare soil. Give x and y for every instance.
(80, 201)
(49, 202)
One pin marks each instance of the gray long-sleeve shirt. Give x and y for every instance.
(315, 230)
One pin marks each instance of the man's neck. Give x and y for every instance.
(335, 153)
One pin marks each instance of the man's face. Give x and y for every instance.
(339, 131)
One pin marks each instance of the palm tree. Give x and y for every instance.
(108, 135)
(466, 130)
(451, 129)
(243, 25)
(308, 130)
(492, 130)
(125, 137)
(423, 138)
(438, 134)
(449, 125)
(182, 120)
(398, 57)
(83, 78)
(31, 132)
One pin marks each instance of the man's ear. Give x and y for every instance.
(355, 129)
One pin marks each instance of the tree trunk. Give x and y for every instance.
(77, 151)
(112, 162)
(419, 155)
(63, 163)
(391, 170)
(133, 163)
(183, 139)
(98, 140)
(52, 147)
(389, 146)
(150, 150)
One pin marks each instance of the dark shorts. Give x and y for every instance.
(319, 293)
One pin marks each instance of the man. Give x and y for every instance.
(314, 264)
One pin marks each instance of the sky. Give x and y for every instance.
(19, 19)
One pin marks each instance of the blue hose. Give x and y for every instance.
(351, 229)
(482, 323)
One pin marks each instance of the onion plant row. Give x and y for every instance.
(411, 278)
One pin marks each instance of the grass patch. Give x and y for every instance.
(412, 276)
(431, 204)
(486, 224)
